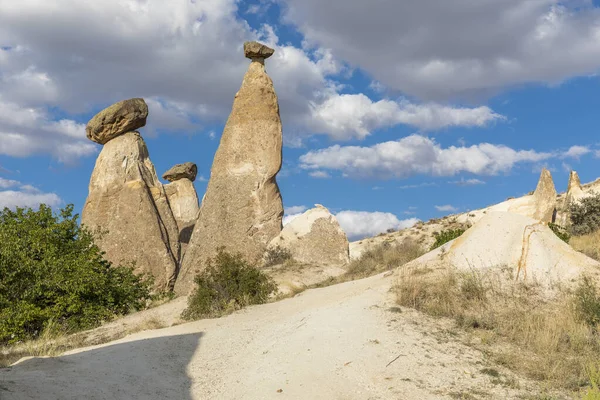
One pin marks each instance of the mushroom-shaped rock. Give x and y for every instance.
(129, 205)
(255, 50)
(186, 170)
(241, 209)
(183, 199)
(315, 237)
(122, 117)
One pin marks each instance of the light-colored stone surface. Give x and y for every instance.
(122, 117)
(242, 208)
(525, 246)
(186, 170)
(127, 200)
(542, 204)
(341, 342)
(183, 200)
(315, 237)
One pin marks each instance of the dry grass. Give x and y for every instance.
(52, 342)
(587, 244)
(381, 258)
(545, 340)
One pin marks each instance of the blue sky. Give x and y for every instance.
(392, 111)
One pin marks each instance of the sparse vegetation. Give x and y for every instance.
(587, 244)
(585, 215)
(444, 237)
(276, 255)
(382, 258)
(53, 277)
(559, 231)
(552, 341)
(228, 283)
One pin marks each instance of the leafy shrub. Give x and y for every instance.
(560, 232)
(51, 270)
(587, 302)
(585, 215)
(276, 255)
(227, 284)
(444, 237)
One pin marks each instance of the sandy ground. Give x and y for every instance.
(347, 341)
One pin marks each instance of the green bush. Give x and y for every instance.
(587, 302)
(227, 284)
(444, 237)
(276, 255)
(560, 232)
(585, 215)
(51, 271)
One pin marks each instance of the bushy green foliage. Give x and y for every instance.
(276, 255)
(587, 302)
(560, 232)
(444, 237)
(585, 215)
(51, 271)
(227, 284)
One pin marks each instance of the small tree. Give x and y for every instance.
(51, 271)
(227, 284)
(585, 215)
(444, 237)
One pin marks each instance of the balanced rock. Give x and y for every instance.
(257, 51)
(542, 204)
(241, 209)
(183, 199)
(122, 117)
(128, 205)
(186, 170)
(316, 238)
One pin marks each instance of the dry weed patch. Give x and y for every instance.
(555, 340)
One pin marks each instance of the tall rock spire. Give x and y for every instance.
(242, 208)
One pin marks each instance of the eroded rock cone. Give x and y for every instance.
(316, 238)
(545, 198)
(242, 208)
(183, 199)
(122, 117)
(129, 206)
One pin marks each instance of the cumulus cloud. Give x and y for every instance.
(576, 152)
(446, 208)
(320, 174)
(27, 130)
(355, 115)
(414, 155)
(468, 182)
(360, 224)
(185, 58)
(294, 210)
(21, 195)
(466, 47)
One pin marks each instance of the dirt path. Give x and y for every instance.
(347, 341)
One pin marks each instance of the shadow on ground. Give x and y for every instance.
(153, 368)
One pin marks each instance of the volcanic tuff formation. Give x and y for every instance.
(126, 201)
(242, 208)
(315, 237)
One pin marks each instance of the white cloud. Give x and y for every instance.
(466, 48)
(320, 175)
(294, 210)
(26, 131)
(360, 224)
(417, 186)
(447, 208)
(468, 182)
(348, 116)
(576, 152)
(13, 198)
(8, 183)
(415, 155)
(88, 56)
